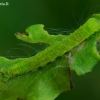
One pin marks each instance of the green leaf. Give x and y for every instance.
(86, 55)
(43, 84)
(36, 33)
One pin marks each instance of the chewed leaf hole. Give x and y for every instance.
(98, 46)
(26, 33)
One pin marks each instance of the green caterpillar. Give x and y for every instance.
(59, 48)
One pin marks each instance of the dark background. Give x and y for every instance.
(66, 14)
